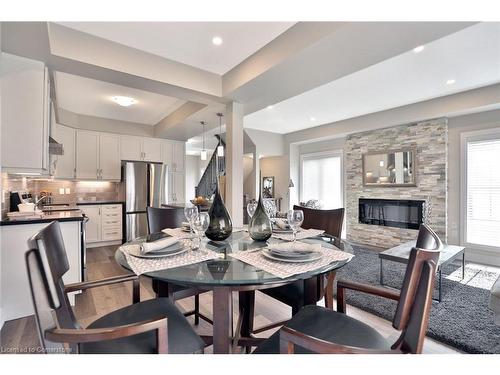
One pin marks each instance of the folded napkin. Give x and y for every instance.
(294, 247)
(147, 247)
(281, 224)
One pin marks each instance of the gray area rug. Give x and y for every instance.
(462, 320)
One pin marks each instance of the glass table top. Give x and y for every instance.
(228, 271)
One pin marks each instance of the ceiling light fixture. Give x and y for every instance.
(418, 49)
(124, 101)
(220, 147)
(312, 118)
(450, 82)
(270, 107)
(217, 40)
(203, 154)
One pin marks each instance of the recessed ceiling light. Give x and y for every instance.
(312, 118)
(217, 40)
(270, 107)
(450, 82)
(124, 101)
(418, 49)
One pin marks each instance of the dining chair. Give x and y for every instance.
(159, 219)
(152, 326)
(310, 291)
(319, 330)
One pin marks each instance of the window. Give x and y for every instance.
(322, 179)
(482, 190)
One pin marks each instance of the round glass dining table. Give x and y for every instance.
(227, 274)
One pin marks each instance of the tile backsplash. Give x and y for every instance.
(74, 191)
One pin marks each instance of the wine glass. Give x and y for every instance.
(190, 212)
(295, 219)
(200, 225)
(251, 207)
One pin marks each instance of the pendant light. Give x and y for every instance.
(203, 154)
(220, 147)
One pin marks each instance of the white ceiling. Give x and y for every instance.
(190, 42)
(90, 97)
(471, 57)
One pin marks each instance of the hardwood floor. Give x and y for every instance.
(20, 335)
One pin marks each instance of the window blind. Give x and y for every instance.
(322, 180)
(483, 192)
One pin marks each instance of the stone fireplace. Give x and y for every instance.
(368, 223)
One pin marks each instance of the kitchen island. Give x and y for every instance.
(15, 298)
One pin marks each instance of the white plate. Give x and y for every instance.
(313, 257)
(136, 252)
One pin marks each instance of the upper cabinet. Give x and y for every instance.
(173, 155)
(64, 165)
(25, 115)
(130, 147)
(97, 156)
(109, 157)
(140, 148)
(151, 149)
(87, 155)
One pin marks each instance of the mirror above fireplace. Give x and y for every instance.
(393, 168)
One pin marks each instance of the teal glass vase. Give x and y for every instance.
(260, 226)
(220, 226)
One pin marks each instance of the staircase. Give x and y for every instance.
(208, 181)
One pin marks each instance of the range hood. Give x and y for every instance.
(55, 148)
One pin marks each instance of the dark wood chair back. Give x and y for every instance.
(412, 312)
(46, 263)
(161, 218)
(330, 221)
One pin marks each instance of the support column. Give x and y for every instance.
(234, 162)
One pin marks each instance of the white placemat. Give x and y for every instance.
(286, 269)
(178, 233)
(303, 233)
(142, 265)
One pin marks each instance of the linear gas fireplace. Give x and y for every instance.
(396, 213)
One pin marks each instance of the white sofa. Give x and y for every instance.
(495, 300)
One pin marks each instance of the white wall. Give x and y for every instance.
(267, 143)
(277, 167)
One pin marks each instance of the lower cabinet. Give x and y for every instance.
(104, 225)
(15, 295)
(177, 187)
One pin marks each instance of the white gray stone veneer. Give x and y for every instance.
(430, 139)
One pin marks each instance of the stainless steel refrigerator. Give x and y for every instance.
(146, 184)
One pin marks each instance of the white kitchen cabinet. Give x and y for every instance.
(87, 155)
(179, 155)
(97, 156)
(130, 148)
(109, 157)
(65, 164)
(104, 225)
(111, 222)
(173, 155)
(25, 115)
(141, 149)
(177, 186)
(15, 297)
(93, 226)
(151, 149)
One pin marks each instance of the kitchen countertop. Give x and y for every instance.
(83, 203)
(47, 218)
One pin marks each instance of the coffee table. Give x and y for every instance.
(401, 254)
